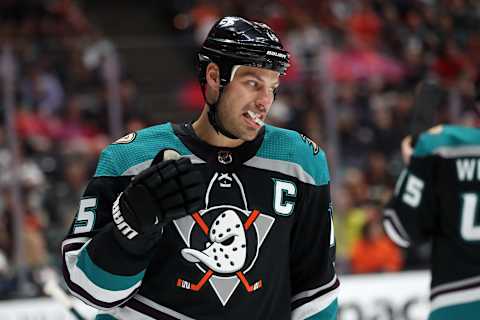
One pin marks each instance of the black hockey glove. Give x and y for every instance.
(166, 191)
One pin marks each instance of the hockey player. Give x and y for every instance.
(437, 198)
(222, 218)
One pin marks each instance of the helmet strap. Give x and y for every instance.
(213, 117)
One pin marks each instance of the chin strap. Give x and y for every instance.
(213, 114)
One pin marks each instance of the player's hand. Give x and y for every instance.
(407, 149)
(166, 191)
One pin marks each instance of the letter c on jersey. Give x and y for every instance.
(282, 191)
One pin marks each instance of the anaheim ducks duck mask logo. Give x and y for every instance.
(223, 240)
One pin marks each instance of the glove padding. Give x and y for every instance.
(166, 191)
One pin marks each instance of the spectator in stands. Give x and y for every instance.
(374, 251)
(42, 91)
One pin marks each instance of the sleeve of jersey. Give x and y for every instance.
(410, 215)
(314, 281)
(96, 269)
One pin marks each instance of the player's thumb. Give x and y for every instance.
(170, 154)
(164, 155)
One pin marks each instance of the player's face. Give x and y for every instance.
(251, 90)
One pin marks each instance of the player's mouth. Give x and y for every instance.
(253, 119)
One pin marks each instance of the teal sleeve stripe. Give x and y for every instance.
(450, 136)
(105, 317)
(119, 157)
(329, 313)
(462, 311)
(104, 279)
(287, 145)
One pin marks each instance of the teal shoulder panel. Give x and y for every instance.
(291, 146)
(137, 148)
(434, 140)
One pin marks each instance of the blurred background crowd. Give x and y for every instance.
(87, 73)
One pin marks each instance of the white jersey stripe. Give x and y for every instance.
(455, 298)
(127, 313)
(309, 293)
(288, 168)
(456, 284)
(394, 235)
(394, 229)
(458, 151)
(74, 240)
(136, 169)
(315, 306)
(161, 308)
(78, 277)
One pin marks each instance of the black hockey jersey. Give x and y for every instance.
(272, 193)
(438, 198)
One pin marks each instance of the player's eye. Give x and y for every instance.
(252, 83)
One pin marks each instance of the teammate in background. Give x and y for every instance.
(437, 198)
(238, 227)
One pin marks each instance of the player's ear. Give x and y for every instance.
(213, 75)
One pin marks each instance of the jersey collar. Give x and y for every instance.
(218, 156)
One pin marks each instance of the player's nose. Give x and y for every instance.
(264, 99)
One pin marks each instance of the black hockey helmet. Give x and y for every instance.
(236, 41)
